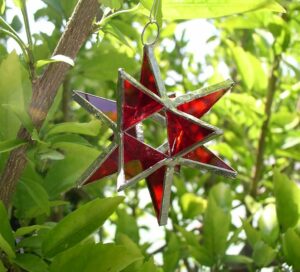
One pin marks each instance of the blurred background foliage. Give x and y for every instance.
(215, 224)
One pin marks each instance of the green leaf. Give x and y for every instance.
(68, 7)
(22, 115)
(263, 254)
(127, 224)
(16, 23)
(55, 5)
(253, 235)
(114, 4)
(217, 214)
(29, 229)
(56, 58)
(261, 76)
(244, 65)
(222, 195)
(172, 253)
(6, 146)
(249, 68)
(287, 195)
(18, 3)
(252, 205)
(201, 255)
(242, 22)
(50, 154)
(15, 90)
(274, 6)
(79, 224)
(5, 228)
(183, 9)
(55, 203)
(94, 257)
(64, 174)
(192, 205)
(104, 61)
(2, 268)
(115, 32)
(292, 141)
(2, 6)
(5, 246)
(237, 259)
(291, 248)
(149, 266)
(190, 237)
(31, 263)
(33, 243)
(31, 199)
(158, 6)
(124, 240)
(268, 224)
(92, 128)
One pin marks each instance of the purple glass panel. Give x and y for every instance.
(108, 107)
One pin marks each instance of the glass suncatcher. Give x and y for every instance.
(130, 157)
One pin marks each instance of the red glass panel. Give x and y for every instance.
(183, 133)
(137, 105)
(137, 158)
(203, 155)
(132, 131)
(200, 106)
(108, 167)
(155, 184)
(147, 77)
(135, 150)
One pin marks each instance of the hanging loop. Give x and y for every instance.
(148, 25)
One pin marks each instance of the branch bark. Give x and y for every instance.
(264, 130)
(45, 88)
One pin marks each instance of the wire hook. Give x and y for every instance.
(157, 33)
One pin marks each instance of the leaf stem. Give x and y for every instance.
(7, 26)
(26, 22)
(29, 40)
(104, 19)
(19, 42)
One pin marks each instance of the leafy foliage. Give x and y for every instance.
(215, 223)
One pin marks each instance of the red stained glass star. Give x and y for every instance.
(130, 157)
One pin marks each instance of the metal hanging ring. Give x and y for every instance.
(151, 22)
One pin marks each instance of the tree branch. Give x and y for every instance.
(264, 130)
(45, 88)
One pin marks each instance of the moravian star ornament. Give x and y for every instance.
(130, 157)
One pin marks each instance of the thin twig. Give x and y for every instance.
(29, 40)
(105, 19)
(265, 127)
(18, 41)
